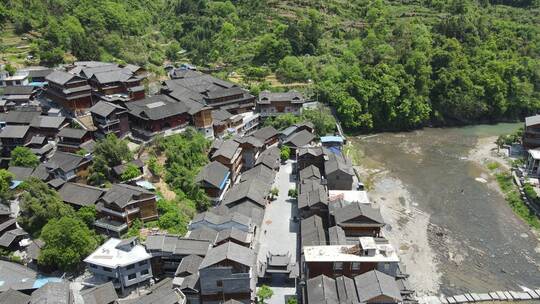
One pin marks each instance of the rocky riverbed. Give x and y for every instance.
(454, 230)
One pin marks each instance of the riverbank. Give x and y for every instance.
(454, 231)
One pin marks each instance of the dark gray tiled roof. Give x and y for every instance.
(161, 293)
(72, 133)
(375, 283)
(104, 108)
(260, 173)
(213, 173)
(337, 162)
(189, 265)
(21, 173)
(346, 290)
(300, 139)
(313, 233)
(203, 233)
(53, 293)
(113, 75)
(12, 296)
(254, 190)
(233, 234)
(322, 290)
(64, 161)
(176, 245)
(21, 116)
(227, 149)
(41, 172)
(336, 236)
(315, 151)
(270, 158)
(156, 107)
(309, 172)
(229, 251)
(102, 294)
(59, 77)
(123, 195)
(51, 122)
(218, 219)
(224, 92)
(80, 195)
(250, 140)
(18, 90)
(361, 213)
(16, 276)
(265, 133)
(220, 115)
(7, 239)
(56, 183)
(267, 97)
(308, 199)
(10, 223)
(14, 131)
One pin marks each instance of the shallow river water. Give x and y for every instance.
(470, 223)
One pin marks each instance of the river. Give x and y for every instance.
(453, 228)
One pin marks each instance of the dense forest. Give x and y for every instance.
(382, 65)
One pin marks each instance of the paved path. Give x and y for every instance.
(281, 231)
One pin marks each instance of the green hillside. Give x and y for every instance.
(383, 65)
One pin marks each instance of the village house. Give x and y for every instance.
(125, 203)
(274, 104)
(358, 257)
(310, 156)
(12, 137)
(103, 293)
(312, 231)
(228, 272)
(21, 117)
(531, 132)
(247, 197)
(110, 118)
(338, 171)
(219, 222)
(298, 140)
(68, 166)
(251, 148)
(168, 251)
(291, 130)
(270, 158)
(356, 219)
(267, 135)
(47, 126)
(214, 178)
(208, 90)
(18, 95)
(203, 233)
(223, 121)
(20, 78)
(155, 115)
(114, 84)
(40, 147)
(71, 92)
(332, 141)
(123, 262)
(80, 195)
(229, 153)
(313, 202)
(371, 287)
(72, 140)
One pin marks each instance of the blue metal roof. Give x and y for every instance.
(327, 139)
(224, 181)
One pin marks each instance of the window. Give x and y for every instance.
(219, 283)
(144, 272)
(132, 276)
(355, 265)
(142, 263)
(338, 265)
(386, 266)
(106, 268)
(130, 266)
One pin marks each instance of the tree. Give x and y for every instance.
(285, 153)
(99, 171)
(131, 172)
(10, 69)
(322, 119)
(5, 182)
(153, 165)
(23, 157)
(274, 192)
(40, 204)
(264, 293)
(87, 215)
(113, 150)
(292, 300)
(67, 241)
(293, 193)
